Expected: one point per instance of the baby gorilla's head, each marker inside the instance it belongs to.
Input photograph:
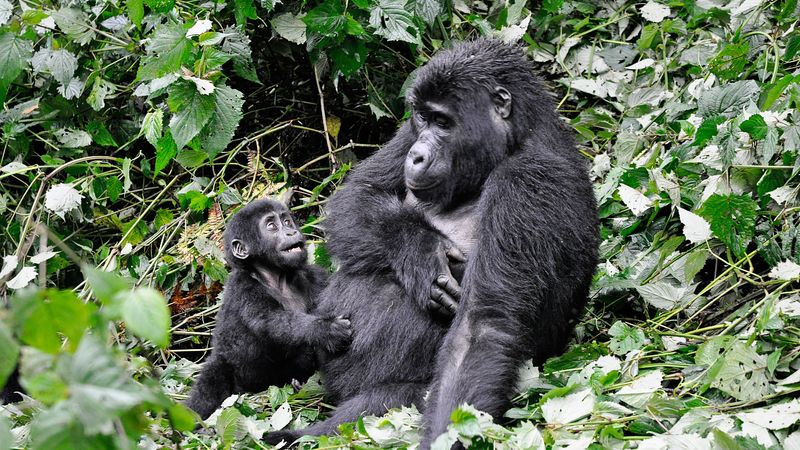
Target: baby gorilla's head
(264, 233)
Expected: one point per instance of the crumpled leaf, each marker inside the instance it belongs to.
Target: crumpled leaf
(62, 198)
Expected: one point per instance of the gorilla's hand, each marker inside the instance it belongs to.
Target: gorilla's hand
(445, 291)
(336, 334)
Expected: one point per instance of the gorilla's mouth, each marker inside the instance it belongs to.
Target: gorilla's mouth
(297, 247)
(421, 187)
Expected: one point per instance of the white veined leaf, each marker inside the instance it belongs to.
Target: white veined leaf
(695, 228)
(570, 408)
(116, 23)
(654, 12)
(664, 295)
(633, 199)
(153, 126)
(23, 278)
(676, 442)
(589, 86)
(643, 64)
(639, 392)
(204, 87)
(62, 198)
(775, 417)
(73, 89)
(290, 27)
(784, 195)
(785, 270)
(6, 10)
(281, 417)
(199, 27)
(62, 65)
(72, 138)
(41, 60)
(43, 256)
(9, 264)
(13, 166)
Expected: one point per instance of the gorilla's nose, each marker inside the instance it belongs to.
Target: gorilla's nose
(418, 159)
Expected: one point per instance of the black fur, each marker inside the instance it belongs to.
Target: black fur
(485, 165)
(265, 334)
(10, 392)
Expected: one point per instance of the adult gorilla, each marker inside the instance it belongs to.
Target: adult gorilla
(484, 168)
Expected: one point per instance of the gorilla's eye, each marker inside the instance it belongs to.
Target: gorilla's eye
(441, 121)
(287, 222)
(271, 226)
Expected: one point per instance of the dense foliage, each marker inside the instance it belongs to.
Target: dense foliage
(131, 129)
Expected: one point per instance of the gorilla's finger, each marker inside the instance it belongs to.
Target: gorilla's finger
(455, 254)
(450, 285)
(443, 298)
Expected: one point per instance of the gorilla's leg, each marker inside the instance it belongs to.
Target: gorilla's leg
(476, 366)
(12, 388)
(373, 402)
(215, 384)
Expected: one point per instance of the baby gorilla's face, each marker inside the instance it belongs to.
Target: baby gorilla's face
(283, 237)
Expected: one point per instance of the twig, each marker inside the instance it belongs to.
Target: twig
(324, 117)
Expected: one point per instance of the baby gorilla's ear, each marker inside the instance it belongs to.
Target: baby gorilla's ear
(239, 249)
(285, 197)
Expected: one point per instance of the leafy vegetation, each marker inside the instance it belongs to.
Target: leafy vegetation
(130, 129)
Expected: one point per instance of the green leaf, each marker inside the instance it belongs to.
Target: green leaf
(135, 11)
(350, 56)
(755, 126)
(738, 370)
(9, 353)
(166, 150)
(168, 50)
(707, 130)
(775, 91)
(625, 338)
(290, 27)
(727, 99)
(153, 126)
(6, 438)
(160, 6)
(191, 111)
(146, 314)
(100, 134)
(733, 220)
(649, 36)
(269, 5)
(100, 90)
(392, 21)
(327, 19)
(99, 388)
(730, 62)
(15, 54)
(181, 418)
(429, 10)
(228, 426)
(105, 285)
(43, 317)
(219, 131)
(113, 188)
(76, 24)
(190, 158)
(243, 10)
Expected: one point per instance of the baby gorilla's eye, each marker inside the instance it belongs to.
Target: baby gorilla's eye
(287, 222)
(271, 226)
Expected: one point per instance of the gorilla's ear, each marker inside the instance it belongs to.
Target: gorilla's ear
(239, 249)
(502, 101)
(285, 197)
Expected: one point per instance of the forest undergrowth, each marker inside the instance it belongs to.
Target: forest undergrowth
(131, 130)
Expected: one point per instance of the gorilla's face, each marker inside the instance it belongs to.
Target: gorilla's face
(460, 140)
(264, 233)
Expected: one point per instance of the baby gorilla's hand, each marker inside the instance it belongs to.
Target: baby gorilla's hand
(337, 334)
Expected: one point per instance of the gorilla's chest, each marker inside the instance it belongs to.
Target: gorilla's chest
(458, 224)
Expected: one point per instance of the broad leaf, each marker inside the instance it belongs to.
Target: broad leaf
(727, 99)
(392, 21)
(733, 220)
(15, 53)
(291, 27)
(9, 352)
(76, 24)
(191, 111)
(219, 131)
(146, 314)
(168, 50)
(45, 316)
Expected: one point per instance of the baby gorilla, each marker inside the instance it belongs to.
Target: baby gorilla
(265, 334)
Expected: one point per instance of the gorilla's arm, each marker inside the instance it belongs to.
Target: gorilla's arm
(288, 328)
(370, 229)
